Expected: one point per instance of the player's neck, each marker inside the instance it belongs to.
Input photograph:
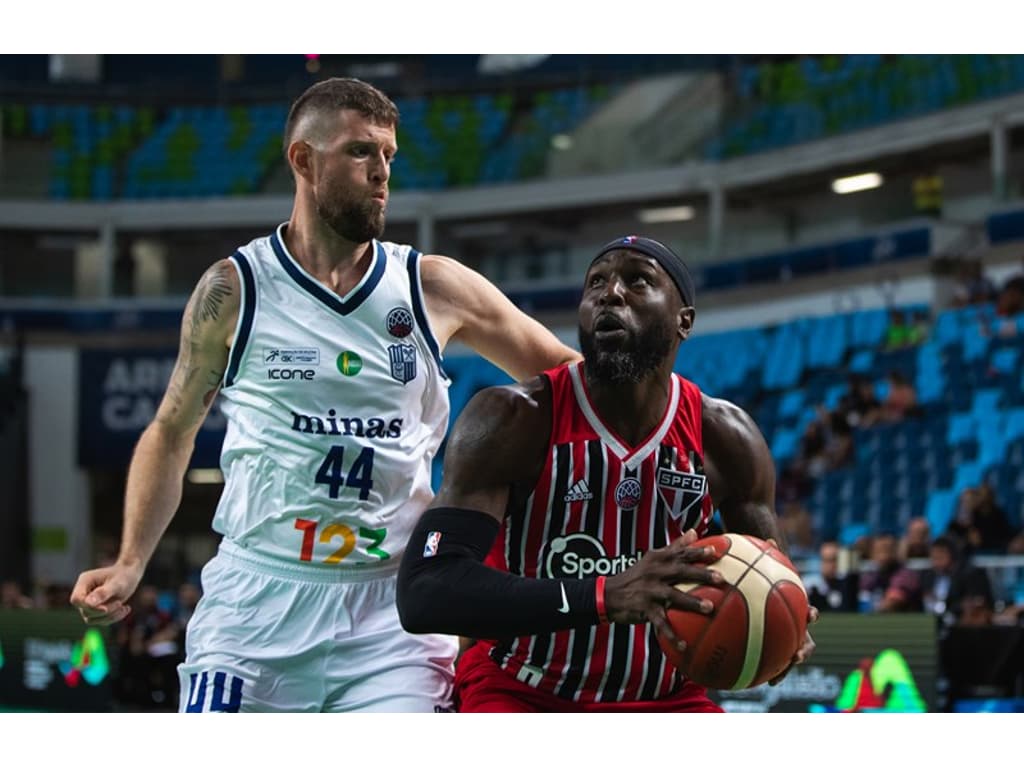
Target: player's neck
(336, 262)
(632, 409)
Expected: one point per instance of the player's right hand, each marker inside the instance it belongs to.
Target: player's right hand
(101, 595)
(645, 591)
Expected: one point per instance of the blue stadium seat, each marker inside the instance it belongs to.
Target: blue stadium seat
(785, 444)
(791, 403)
(962, 427)
(986, 401)
(851, 532)
(940, 509)
(1014, 424)
(862, 361)
(1005, 360)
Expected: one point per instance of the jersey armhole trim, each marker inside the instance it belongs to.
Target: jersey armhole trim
(419, 310)
(245, 318)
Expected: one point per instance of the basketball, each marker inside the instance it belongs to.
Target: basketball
(758, 623)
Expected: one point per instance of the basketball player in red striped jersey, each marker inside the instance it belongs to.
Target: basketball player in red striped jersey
(570, 504)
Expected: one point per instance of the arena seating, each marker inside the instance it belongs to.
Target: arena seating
(101, 153)
(783, 103)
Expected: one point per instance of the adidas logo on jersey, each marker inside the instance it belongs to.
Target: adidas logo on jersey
(579, 492)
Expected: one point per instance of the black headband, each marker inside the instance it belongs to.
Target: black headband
(662, 254)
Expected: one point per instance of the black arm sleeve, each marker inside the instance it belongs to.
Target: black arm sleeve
(444, 587)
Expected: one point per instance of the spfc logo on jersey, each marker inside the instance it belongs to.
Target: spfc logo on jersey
(681, 491)
(403, 362)
(399, 322)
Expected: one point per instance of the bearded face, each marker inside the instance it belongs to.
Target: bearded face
(628, 359)
(354, 218)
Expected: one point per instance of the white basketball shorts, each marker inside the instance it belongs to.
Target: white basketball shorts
(271, 638)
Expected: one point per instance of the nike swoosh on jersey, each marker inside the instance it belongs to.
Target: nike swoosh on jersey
(565, 601)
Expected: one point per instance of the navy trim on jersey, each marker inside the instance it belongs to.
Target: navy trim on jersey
(413, 263)
(318, 291)
(248, 313)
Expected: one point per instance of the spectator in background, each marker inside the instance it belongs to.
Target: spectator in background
(955, 590)
(839, 443)
(56, 596)
(12, 596)
(188, 598)
(829, 590)
(1009, 304)
(149, 653)
(859, 406)
(901, 399)
(980, 524)
(1016, 545)
(897, 335)
(811, 456)
(973, 285)
(797, 528)
(890, 586)
(917, 540)
(920, 327)
(1011, 297)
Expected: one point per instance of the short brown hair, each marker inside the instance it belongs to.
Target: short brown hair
(337, 93)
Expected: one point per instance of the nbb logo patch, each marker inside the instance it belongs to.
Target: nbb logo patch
(579, 556)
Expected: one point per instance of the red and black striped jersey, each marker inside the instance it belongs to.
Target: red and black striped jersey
(597, 507)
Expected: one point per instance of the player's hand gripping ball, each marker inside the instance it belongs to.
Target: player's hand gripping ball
(758, 623)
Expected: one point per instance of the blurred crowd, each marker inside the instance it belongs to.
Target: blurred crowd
(148, 645)
(918, 571)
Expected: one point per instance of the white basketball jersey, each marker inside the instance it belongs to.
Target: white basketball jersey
(335, 408)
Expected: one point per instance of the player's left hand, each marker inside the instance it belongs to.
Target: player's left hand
(805, 651)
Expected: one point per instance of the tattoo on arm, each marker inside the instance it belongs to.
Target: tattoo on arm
(209, 297)
(204, 308)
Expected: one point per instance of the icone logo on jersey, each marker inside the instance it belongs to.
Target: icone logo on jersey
(399, 322)
(579, 556)
(281, 356)
(291, 374)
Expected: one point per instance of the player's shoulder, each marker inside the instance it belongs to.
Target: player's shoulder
(258, 248)
(503, 430)
(400, 251)
(443, 273)
(222, 280)
(725, 422)
(512, 404)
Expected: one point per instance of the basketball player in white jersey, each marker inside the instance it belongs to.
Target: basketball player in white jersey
(325, 344)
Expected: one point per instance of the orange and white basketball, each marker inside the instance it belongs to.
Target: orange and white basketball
(759, 620)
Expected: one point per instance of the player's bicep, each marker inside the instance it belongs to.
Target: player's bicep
(492, 446)
(206, 326)
(471, 309)
(744, 490)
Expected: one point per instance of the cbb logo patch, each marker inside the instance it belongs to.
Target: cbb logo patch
(627, 493)
(399, 322)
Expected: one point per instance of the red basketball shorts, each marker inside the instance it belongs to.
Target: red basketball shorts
(483, 686)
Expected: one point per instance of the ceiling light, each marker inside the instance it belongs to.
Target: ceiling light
(858, 183)
(663, 215)
(561, 141)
